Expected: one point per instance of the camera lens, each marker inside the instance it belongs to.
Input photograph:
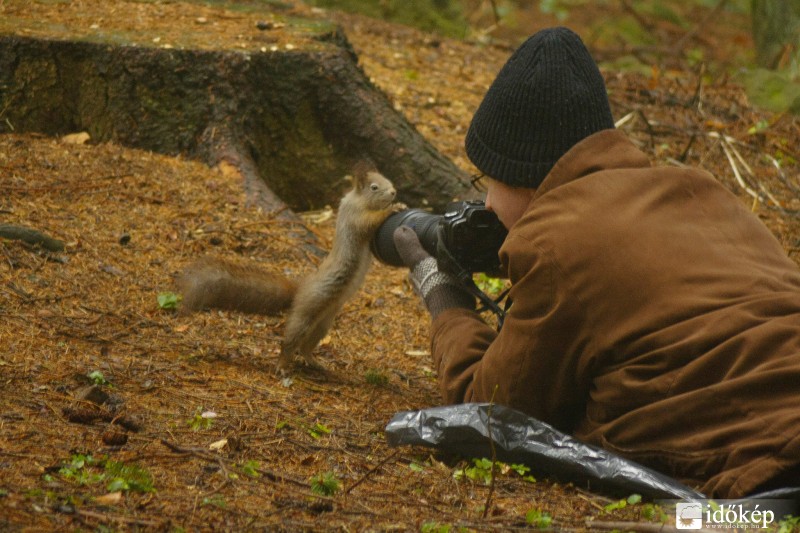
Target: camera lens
(424, 225)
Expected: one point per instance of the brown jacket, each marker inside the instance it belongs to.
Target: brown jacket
(653, 315)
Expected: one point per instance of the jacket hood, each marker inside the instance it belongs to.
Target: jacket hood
(604, 150)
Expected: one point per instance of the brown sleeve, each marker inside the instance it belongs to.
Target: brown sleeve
(531, 365)
(459, 339)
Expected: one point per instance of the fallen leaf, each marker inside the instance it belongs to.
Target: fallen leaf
(218, 445)
(76, 138)
(109, 499)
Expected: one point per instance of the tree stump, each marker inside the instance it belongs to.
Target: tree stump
(287, 103)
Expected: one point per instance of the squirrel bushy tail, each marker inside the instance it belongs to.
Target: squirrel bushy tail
(220, 284)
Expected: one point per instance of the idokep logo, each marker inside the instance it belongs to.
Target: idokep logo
(730, 514)
(689, 515)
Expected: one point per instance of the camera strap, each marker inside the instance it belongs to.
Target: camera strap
(447, 263)
(489, 304)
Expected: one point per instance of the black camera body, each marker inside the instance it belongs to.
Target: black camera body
(466, 238)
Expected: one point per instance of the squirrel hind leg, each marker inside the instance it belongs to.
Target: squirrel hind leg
(300, 342)
(287, 361)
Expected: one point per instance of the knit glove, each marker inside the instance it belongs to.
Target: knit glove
(439, 290)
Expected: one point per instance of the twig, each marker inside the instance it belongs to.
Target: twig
(591, 502)
(643, 22)
(371, 470)
(201, 453)
(495, 12)
(650, 130)
(196, 452)
(31, 236)
(702, 25)
(114, 518)
(791, 186)
(697, 97)
(217, 489)
(624, 120)
(494, 455)
(735, 168)
(753, 175)
(7, 255)
(731, 151)
(685, 153)
(18, 292)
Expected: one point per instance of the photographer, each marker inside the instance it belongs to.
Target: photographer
(652, 314)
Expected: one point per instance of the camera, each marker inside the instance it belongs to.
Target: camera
(464, 239)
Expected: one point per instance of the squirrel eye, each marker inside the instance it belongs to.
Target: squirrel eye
(374, 187)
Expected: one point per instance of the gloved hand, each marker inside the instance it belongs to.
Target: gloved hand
(439, 290)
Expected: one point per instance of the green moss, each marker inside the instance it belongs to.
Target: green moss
(293, 144)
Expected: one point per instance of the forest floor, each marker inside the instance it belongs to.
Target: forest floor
(117, 414)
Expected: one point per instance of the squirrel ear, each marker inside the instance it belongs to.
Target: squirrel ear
(361, 172)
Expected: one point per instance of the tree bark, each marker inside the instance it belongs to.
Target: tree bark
(298, 118)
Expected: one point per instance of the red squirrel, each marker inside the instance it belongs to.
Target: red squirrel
(313, 301)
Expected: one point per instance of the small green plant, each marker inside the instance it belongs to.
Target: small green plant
(538, 519)
(522, 471)
(416, 467)
(376, 377)
(201, 420)
(633, 499)
(78, 470)
(168, 300)
(784, 159)
(489, 285)
(789, 524)
(318, 430)
(434, 527)
(654, 513)
(325, 484)
(216, 500)
(251, 468)
(86, 470)
(97, 378)
(482, 471)
(759, 127)
(124, 477)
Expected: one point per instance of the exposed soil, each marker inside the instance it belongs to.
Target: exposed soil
(131, 219)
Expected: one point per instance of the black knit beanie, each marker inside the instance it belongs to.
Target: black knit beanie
(548, 96)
